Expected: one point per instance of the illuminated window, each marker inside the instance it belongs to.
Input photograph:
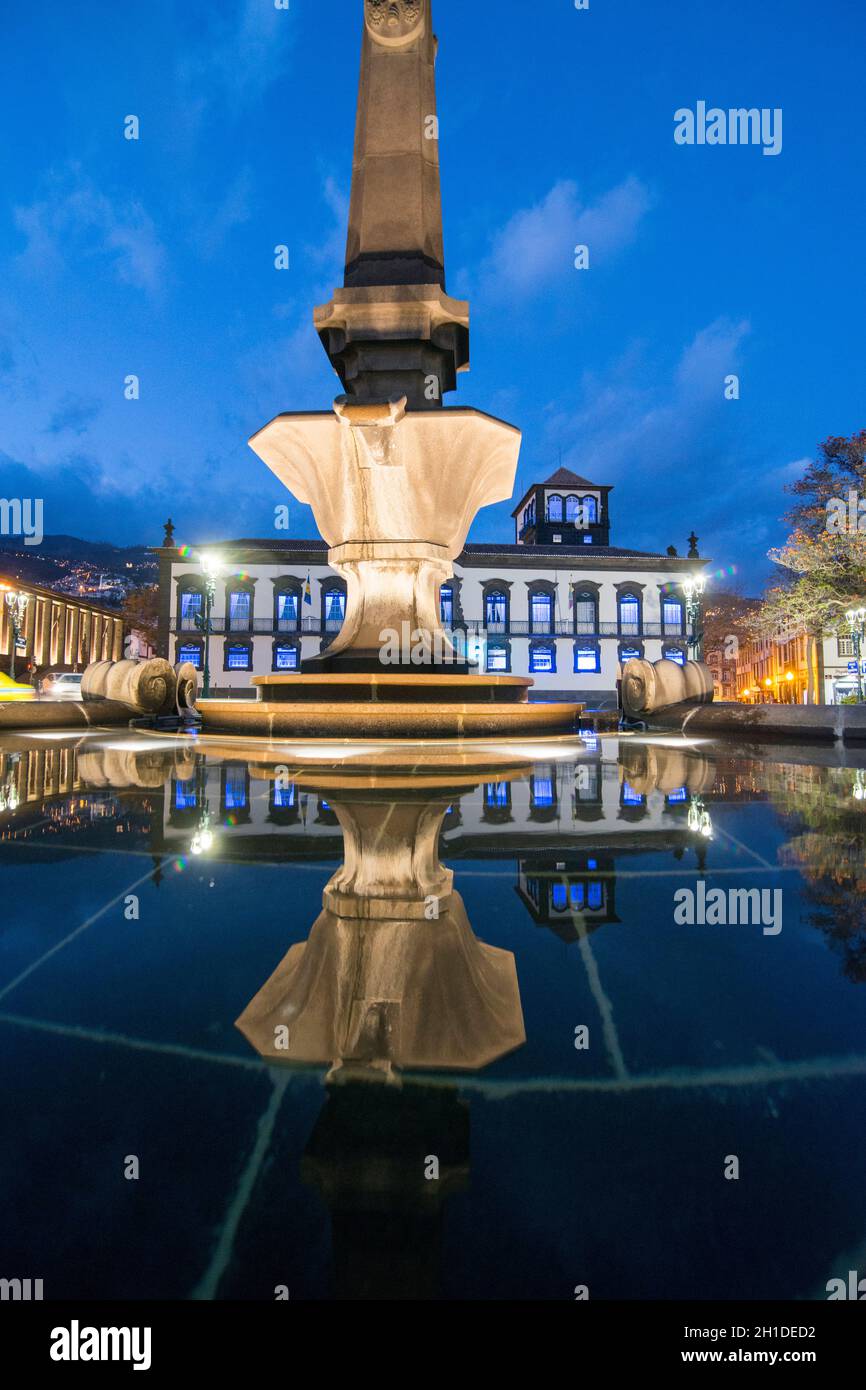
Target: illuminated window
(496, 609)
(287, 612)
(542, 659)
(335, 606)
(497, 657)
(587, 659)
(286, 657)
(235, 788)
(446, 605)
(629, 614)
(541, 612)
(191, 604)
(191, 652)
(240, 609)
(239, 657)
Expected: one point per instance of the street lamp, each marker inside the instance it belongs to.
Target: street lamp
(211, 569)
(855, 618)
(16, 602)
(693, 588)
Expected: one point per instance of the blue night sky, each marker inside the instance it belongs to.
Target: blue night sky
(156, 257)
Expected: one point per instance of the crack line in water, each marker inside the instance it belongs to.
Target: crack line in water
(766, 1074)
(7, 989)
(210, 1281)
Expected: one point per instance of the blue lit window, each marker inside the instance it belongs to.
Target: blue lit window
(587, 659)
(284, 797)
(185, 795)
(543, 789)
(559, 897)
(590, 511)
(630, 797)
(578, 897)
(554, 507)
(287, 611)
(542, 659)
(497, 658)
(191, 652)
(286, 658)
(335, 606)
(541, 611)
(572, 510)
(446, 605)
(595, 896)
(239, 610)
(496, 608)
(672, 615)
(627, 653)
(190, 608)
(674, 798)
(239, 658)
(592, 863)
(496, 795)
(629, 614)
(236, 788)
(674, 654)
(590, 738)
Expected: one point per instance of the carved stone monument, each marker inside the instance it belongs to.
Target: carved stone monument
(394, 479)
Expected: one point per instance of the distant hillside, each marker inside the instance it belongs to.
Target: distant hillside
(57, 558)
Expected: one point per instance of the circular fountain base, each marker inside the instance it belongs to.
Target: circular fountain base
(389, 705)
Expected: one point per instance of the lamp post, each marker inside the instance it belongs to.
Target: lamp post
(16, 602)
(693, 588)
(211, 569)
(855, 618)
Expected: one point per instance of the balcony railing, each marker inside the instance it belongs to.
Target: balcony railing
(517, 627)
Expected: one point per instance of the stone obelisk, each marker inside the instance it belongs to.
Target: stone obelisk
(392, 330)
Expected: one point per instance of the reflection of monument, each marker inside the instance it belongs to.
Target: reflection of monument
(392, 975)
(393, 478)
(369, 1158)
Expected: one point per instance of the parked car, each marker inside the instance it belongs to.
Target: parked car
(64, 686)
(15, 690)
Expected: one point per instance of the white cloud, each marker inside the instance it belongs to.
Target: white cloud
(537, 244)
(75, 221)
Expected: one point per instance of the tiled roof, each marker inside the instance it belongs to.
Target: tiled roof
(563, 477)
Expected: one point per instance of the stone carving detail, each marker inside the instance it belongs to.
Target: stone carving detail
(395, 22)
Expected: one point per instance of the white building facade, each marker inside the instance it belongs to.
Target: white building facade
(559, 603)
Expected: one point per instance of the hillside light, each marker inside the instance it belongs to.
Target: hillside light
(211, 569)
(16, 602)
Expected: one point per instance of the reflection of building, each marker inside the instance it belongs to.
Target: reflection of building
(559, 603)
(570, 894)
(60, 632)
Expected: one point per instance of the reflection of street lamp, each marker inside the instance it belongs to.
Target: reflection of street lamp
(16, 602)
(202, 840)
(210, 568)
(855, 618)
(9, 788)
(699, 822)
(693, 588)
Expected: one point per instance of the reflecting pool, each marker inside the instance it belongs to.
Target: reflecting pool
(498, 1023)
